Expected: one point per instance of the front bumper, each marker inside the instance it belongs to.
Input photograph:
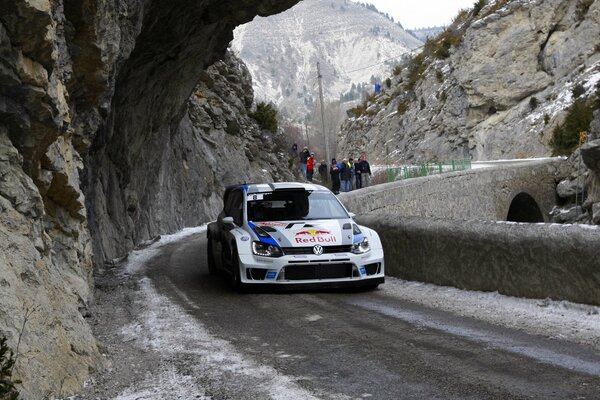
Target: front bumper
(336, 270)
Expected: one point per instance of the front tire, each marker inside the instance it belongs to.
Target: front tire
(210, 257)
(236, 279)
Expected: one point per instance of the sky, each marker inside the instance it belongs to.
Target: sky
(421, 13)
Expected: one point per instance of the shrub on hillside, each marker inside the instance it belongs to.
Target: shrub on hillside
(359, 110)
(546, 119)
(8, 390)
(533, 102)
(439, 76)
(461, 17)
(582, 9)
(578, 90)
(402, 108)
(447, 39)
(565, 137)
(416, 67)
(479, 6)
(266, 116)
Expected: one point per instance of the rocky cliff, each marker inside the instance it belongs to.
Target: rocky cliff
(493, 86)
(114, 127)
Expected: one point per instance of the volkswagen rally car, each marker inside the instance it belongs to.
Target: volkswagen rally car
(291, 235)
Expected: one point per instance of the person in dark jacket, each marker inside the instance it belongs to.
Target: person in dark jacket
(365, 170)
(334, 171)
(304, 154)
(357, 174)
(346, 175)
(323, 172)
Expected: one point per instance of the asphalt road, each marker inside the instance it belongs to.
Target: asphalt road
(371, 344)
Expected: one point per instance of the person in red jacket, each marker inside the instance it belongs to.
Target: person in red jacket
(310, 166)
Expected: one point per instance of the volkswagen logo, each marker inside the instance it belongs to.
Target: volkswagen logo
(318, 250)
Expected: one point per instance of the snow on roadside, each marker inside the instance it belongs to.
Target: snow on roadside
(563, 320)
(164, 327)
(137, 258)
(153, 330)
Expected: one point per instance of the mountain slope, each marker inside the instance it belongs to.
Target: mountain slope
(282, 51)
(495, 86)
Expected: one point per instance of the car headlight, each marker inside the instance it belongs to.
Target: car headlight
(266, 250)
(361, 247)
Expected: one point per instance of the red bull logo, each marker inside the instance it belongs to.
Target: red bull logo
(314, 236)
(312, 232)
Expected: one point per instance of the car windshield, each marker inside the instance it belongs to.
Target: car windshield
(292, 205)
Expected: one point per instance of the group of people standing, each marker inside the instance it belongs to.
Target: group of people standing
(349, 174)
(345, 176)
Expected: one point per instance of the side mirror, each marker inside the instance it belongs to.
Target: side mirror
(352, 215)
(228, 221)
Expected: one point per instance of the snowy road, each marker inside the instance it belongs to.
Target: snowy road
(182, 334)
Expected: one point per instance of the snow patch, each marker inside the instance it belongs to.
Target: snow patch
(137, 258)
(214, 357)
(579, 323)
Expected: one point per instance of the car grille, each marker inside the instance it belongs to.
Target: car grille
(318, 271)
(309, 250)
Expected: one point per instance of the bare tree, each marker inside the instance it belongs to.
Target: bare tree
(334, 115)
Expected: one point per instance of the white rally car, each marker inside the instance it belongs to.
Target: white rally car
(292, 235)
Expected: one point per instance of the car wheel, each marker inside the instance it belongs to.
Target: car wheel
(236, 280)
(210, 257)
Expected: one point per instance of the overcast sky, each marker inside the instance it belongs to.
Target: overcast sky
(421, 13)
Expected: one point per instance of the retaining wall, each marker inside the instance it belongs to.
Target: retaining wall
(484, 193)
(525, 260)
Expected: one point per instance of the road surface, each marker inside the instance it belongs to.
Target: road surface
(172, 331)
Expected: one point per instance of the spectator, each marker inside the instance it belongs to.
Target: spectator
(346, 175)
(334, 171)
(304, 154)
(310, 167)
(323, 172)
(352, 174)
(365, 170)
(358, 174)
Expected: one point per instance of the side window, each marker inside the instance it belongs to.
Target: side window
(236, 209)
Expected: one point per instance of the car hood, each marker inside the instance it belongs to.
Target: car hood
(327, 232)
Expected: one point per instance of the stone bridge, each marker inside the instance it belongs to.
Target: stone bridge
(516, 191)
(444, 229)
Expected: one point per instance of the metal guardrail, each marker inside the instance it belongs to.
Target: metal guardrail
(394, 173)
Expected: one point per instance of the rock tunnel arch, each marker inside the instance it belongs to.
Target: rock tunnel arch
(524, 208)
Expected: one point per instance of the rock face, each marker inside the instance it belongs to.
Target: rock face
(215, 144)
(112, 130)
(590, 154)
(579, 182)
(499, 93)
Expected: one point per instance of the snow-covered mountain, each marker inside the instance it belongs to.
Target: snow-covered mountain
(352, 42)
